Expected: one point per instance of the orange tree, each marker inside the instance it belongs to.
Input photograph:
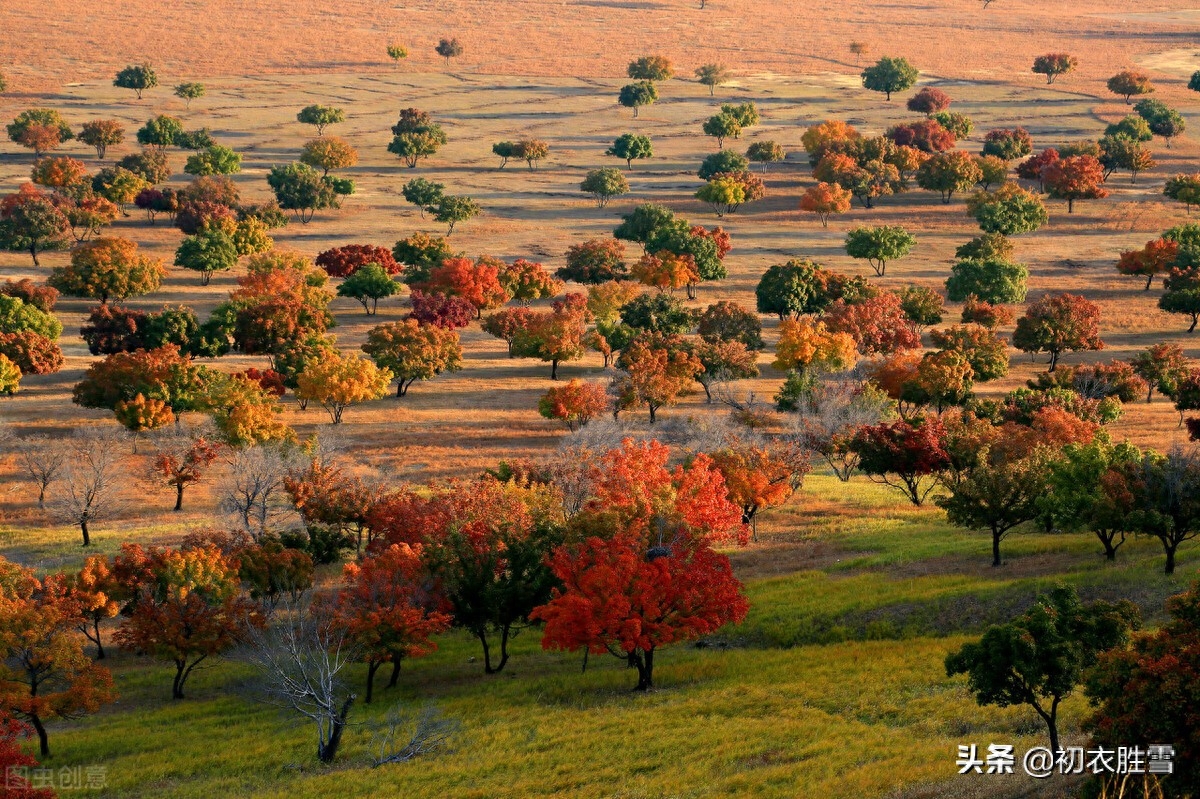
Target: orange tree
(44, 672)
(186, 606)
(412, 351)
(183, 462)
(575, 403)
(390, 608)
(658, 370)
(553, 336)
(760, 473)
(326, 495)
(108, 268)
(340, 381)
(98, 593)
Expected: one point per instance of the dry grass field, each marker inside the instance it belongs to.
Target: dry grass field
(552, 70)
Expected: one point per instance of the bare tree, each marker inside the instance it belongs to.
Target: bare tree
(431, 731)
(300, 658)
(91, 479)
(826, 419)
(253, 489)
(41, 459)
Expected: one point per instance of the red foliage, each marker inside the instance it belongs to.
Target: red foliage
(32, 352)
(619, 596)
(927, 136)
(477, 282)
(441, 310)
(929, 101)
(15, 763)
(1034, 167)
(269, 379)
(346, 260)
(913, 452)
(878, 324)
(1156, 258)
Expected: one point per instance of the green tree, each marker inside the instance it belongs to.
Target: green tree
(890, 75)
(712, 76)
(658, 313)
(30, 221)
(451, 210)
(300, 189)
(765, 152)
(369, 284)
(636, 95)
(1089, 489)
(721, 127)
(39, 129)
(449, 48)
(412, 351)
(1040, 657)
(207, 252)
(630, 146)
(996, 280)
(604, 184)
(214, 160)
(397, 52)
(792, 289)
(505, 150)
(1162, 120)
(723, 161)
(320, 116)
(878, 245)
(189, 91)
(1009, 210)
(425, 194)
(137, 77)
(162, 131)
(1167, 499)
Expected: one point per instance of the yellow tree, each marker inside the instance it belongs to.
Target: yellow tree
(341, 381)
(666, 271)
(246, 413)
(804, 344)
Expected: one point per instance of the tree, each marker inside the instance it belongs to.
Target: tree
(368, 285)
(413, 145)
(411, 351)
(449, 48)
(102, 134)
(1182, 295)
(722, 127)
(622, 598)
(636, 95)
(1000, 493)
(39, 129)
(576, 403)
(1039, 658)
(64, 173)
(824, 199)
(915, 452)
(1156, 258)
(108, 268)
(595, 261)
(1143, 691)
(878, 245)
(876, 323)
(1184, 188)
(1054, 64)
(1167, 499)
(1008, 145)
(658, 313)
(927, 136)
(344, 261)
(1162, 366)
(151, 164)
(91, 480)
(994, 280)
(246, 413)
(397, 52)
(807, 346)
(723, 362)
(477, 282)
(553, 336)
(161, 132)
(44, 672)
(342, 381)
(320, 116)
(630, 146)
(183, 460)
(42, 461)
(1059, 323)
(725, 194)
(928, 101)
(31, 221)
(654, 68)
(1089, 489)
(949, 172)
(1128, 83)
(1009, 210)
(889, 75)
(425, 194)
(765, 152)
(604, 184)
(440, 310)
(189, 91)
(10, 376)
(505, 150)
(531, 151)
(986, 352)
(139, 78)
(792, 289)
(389, 610)
(214, 160)
(207, 252)
(657, 372)
(728, 321)
(298, 188)
(922, 306)
(712, 76)
(452, 210)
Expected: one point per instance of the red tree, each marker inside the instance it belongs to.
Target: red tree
(390, 609)
(14, 762)
(185, 463)
(1080, 177)
(440, 310)
(477, 282)
(877, 324)
(346, 260)
(904, 456)
(1156, 258)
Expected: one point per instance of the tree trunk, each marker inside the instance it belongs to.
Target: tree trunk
(33, 252)
(395, 671)
(42, 496)
(83, 528)
(645, 667)
(372, 667)
(1070, 206)
(1053, 361)
(554, 369)
(326, 751)
(97, 641)
(995, 548)
(652, 408)
(487, 662)
(179, 496)
(180, 676)
(43, 739)
(1170, 548)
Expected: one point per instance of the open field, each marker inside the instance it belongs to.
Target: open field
(834, 686)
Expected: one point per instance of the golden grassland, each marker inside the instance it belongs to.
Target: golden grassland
(832, 687)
